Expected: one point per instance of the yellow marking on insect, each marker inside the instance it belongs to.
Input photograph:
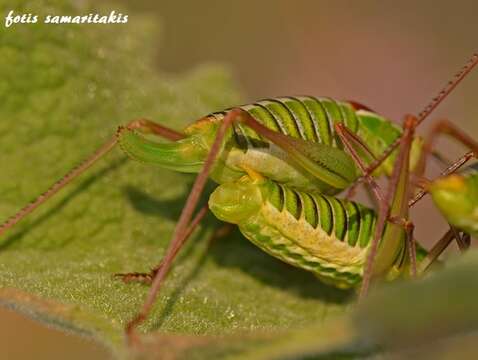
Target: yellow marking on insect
(317, 243)
(254, 175)
(451, 183)
(200, 124)
(271, 164)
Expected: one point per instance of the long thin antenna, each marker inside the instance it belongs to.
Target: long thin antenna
(449, 87)
(437, 100)
(65, 180)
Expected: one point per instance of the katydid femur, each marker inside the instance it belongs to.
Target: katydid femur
(297, 145)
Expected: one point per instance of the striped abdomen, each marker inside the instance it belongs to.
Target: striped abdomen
(318, 233)
(348, 221)
(304, 117)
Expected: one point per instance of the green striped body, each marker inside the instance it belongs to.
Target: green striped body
(304, 117)
(322, 234)
(456, 196)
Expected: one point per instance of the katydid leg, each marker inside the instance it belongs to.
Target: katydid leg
(183, 224)
(339, 171)
(148, 277)
(147, 126)
(351, 141)
(437, 250)
(442, 244)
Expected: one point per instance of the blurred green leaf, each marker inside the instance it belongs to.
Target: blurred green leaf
(64, 91)
(419, 313)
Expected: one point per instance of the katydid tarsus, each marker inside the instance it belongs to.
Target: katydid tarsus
(295, 144)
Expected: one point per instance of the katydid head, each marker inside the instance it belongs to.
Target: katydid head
(456, 198)
(235, 202)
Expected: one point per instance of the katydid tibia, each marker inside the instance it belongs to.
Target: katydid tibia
(278, 162)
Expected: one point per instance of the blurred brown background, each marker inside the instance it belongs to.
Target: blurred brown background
(392, 56)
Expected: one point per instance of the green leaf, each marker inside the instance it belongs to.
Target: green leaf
(436, 312)
(64, 91)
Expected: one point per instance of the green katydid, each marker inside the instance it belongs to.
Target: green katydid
(296, 142)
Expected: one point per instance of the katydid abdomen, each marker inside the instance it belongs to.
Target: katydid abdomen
(322, 234)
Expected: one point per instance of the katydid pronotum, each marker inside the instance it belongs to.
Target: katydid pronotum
(278, 162)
